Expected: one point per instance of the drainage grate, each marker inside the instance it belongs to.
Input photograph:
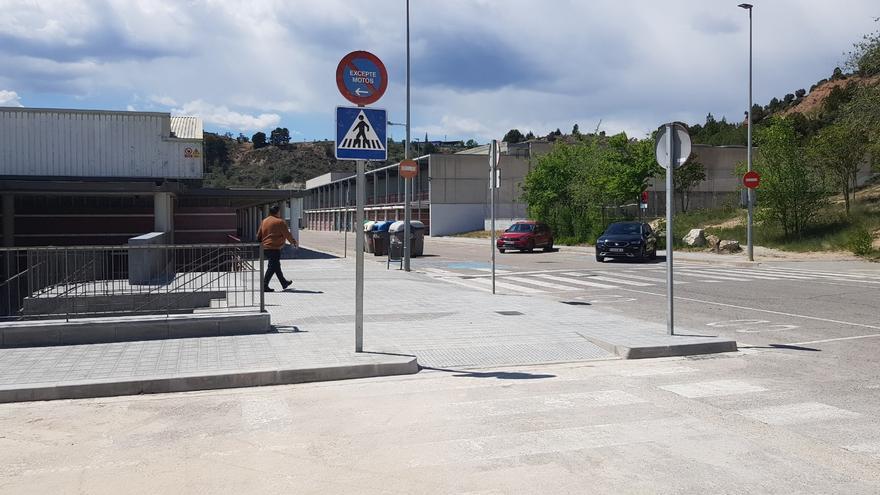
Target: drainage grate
(575, 303)
(509, 313)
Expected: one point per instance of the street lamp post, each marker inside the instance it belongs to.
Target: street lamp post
(750, 198)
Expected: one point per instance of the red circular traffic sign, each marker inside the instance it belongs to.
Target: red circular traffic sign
(751, 179)
(361, 77)
(408, 169)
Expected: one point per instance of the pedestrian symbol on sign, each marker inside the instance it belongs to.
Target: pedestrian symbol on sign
(360, 133)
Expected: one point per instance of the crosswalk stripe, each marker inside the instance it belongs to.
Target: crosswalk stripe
(842, 277)
(437, 271)
(621, 281)
(497, 271)
(458, 281)
(577, 282)
(502, 285)
(813, 272)
(637, 277)
(739, 274)
(709, 275)
(540, 283)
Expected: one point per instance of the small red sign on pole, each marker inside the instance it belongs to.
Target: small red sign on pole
(751, 179)
(409, 169)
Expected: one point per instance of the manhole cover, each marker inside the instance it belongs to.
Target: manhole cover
(509, 313)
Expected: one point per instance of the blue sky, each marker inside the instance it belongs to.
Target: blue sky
(479, 67)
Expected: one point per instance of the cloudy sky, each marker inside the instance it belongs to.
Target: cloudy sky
(479, 67)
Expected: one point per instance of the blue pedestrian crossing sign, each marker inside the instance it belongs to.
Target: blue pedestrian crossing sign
(361, 134)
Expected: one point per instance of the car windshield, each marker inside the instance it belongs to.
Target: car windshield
(521, 227)
(624, 228)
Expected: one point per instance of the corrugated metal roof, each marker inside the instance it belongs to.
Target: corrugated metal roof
(184, 127)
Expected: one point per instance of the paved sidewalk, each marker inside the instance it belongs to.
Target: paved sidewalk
(407, 314)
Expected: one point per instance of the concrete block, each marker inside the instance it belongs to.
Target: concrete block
(244, 324)
(146, 330)
(94, 333)
(192, 327)
(31, 337)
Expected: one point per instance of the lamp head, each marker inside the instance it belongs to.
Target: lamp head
(745, 6)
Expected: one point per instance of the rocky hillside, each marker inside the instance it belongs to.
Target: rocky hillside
(233, 163)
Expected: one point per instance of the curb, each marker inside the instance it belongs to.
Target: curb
(190, 383)
(658, 351)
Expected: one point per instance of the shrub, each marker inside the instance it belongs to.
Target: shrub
(860, 242)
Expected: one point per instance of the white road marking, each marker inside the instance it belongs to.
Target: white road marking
(793, 315)
(458, 281)
(666, 370)
(541, 283)
(577, 282)
(855, 337)
(502, 285)
(804, 412)
(621, 281)
(736, 273)
(713, 388)
(637, 277)
(842, 277)
(706, 275)
(817, 272)
(497, 271)
(439, 272)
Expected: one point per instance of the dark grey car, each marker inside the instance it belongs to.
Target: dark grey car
(634, 240)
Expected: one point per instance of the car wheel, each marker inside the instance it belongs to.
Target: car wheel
(549, 247)
(530, 246)
(654, 253)
(643, 255)
(599, 259)
(501, 251)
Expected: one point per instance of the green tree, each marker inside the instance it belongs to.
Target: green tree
(576, 131)
(279, 136)
(791, 192)
(216, 152)
(838, 151)
(686, 178)
(530, 135)
(471, 143)
(259, 140)
(865, 57)
(513, 136)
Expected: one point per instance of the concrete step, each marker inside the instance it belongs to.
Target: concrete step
(120, 329)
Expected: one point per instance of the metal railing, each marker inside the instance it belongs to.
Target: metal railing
(81, 281)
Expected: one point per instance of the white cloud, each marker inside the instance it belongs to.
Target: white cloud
(130, 108)
(222, 116)
(534, 67)
(164, 100)
(9, 99)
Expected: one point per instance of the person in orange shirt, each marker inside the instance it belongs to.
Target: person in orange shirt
(272, 234)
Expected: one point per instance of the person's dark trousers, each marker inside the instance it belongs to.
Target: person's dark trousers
(273, 256)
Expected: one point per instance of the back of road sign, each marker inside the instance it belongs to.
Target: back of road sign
(361, 134)
(682, 146)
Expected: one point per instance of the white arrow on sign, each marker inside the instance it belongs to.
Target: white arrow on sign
(361, 93)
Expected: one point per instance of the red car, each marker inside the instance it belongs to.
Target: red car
(526, 236)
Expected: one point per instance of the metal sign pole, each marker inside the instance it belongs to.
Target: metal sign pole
(670, 166)
(407, 183)
(492, 203)
(750, 192)
(345, 217)
(360, 198)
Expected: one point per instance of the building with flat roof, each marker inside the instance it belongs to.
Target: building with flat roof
(95, 177)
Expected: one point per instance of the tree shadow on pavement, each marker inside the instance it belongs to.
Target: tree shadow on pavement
(501, 375)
